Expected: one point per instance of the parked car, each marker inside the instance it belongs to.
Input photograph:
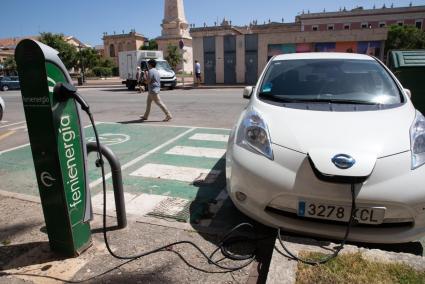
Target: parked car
(9, 83)
(318, 124)
(2, 107)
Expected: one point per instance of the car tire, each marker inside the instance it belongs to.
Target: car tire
(5, 88)
(1, 113)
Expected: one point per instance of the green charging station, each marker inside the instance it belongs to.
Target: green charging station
(58, 148)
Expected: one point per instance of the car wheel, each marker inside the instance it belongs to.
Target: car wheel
(1, 113)
(5, 88)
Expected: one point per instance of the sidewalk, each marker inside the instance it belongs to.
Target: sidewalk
(25, 256)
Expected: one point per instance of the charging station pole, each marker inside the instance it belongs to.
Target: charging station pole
(58, 148)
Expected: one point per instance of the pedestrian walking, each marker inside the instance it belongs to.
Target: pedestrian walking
(198, 72)
(153, 80)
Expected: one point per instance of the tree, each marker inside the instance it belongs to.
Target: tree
(67, 52)
(405, 37)
(174, 57)
(90, 57)
(9, 64)
(153, 45)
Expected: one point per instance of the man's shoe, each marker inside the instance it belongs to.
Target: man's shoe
(168, 118)
(143, 118)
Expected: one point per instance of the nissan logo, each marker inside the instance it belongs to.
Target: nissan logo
(343, 161)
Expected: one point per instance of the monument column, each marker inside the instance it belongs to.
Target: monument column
(175, 31)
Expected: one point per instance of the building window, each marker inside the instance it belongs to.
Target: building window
(129, 46)
(418, 24)
(382, 24)
(330, 27)
(119, 47)
(364, 25)
(315, 28)
(346, 26)
(111, 50)
(400, 23)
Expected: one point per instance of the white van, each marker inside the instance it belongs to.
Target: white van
(130, 60)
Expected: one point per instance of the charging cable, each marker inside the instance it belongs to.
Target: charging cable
(351, 221)
(65, 91)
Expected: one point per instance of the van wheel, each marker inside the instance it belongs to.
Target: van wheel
(5, 88)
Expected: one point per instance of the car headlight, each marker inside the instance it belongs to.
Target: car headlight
(417, 141)
(254, 134)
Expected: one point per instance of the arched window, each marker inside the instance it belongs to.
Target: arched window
(129, 46)
(120, 47)
(111, 50)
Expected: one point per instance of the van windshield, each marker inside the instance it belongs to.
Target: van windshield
(163, 65)
(330, 80)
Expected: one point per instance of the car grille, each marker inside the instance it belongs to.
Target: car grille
(167, 78)
(295, 216)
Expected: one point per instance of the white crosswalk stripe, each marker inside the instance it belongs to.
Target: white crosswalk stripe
(197, 152)
(210, 137)
(185, 174)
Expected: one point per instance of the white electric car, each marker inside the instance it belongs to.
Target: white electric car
(316, 124)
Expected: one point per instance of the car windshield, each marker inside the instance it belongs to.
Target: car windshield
(163, 65)
(330, 80)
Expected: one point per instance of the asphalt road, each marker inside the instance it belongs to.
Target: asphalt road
(196, 107)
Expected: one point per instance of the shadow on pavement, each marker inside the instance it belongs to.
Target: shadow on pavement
(139, 121)
(13, 256)
(414, 248)
(213, 215)
(118, 90)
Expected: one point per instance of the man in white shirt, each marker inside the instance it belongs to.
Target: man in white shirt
(198, 72)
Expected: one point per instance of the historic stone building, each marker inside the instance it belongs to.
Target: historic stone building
(237, 54)
(175, 31)
(113, 44)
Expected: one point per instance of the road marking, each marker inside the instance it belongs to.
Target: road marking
(168, 172)
(7, 134)
(13, 149)
(25, 145)
(20, 127)
(197, 152)
(16, 123)
(144, 156)
(109, 139)
(210, 137)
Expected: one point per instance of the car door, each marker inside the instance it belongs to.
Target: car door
(15, 82)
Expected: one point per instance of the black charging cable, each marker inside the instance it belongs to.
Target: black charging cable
(337, 250)
(65, 90)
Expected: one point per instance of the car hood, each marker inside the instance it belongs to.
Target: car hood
(363, 135)
(165, 73)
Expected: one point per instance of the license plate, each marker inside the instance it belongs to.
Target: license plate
(318, 210)
(167, 85)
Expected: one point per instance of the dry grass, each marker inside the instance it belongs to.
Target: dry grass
(353, 268)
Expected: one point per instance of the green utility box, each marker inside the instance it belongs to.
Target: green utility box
(58, 148)
(409, 67)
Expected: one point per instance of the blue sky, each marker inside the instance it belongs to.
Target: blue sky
(88, 19)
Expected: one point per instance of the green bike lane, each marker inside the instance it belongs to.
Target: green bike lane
(168, 171)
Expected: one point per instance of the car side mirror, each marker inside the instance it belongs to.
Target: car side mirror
(408, 93)
(247, 92)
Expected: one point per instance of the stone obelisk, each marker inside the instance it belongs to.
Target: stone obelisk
(175, 31)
